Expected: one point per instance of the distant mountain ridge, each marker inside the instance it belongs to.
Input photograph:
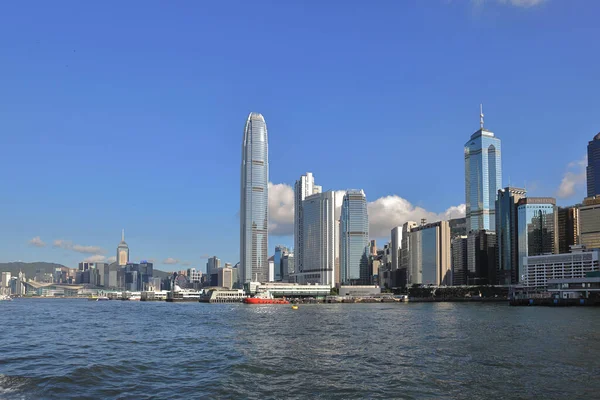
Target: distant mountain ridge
(30, 269)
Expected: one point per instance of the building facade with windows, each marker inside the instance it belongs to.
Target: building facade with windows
(430, 256)
(507, 235)
(320, 240)
(354, 240)
(537, 222)
(254, 201)
(304, 187)
(589, 223)
(483, 178)
(537, 270)
(593, 167)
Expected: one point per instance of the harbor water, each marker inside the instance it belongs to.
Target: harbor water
(77, 349)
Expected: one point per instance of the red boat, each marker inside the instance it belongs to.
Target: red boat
(265, 298)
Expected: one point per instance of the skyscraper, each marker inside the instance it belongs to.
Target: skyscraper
(320, 240)
(254, 202)
(396, 244)
(507, 235)
(354, 240)
(568, 228)
(405, 250)
(122, 251)
(458, 246)
(304, 187)
(537, 221)
(430, 257)
(483, 178)
(278, 272)
(593, 167)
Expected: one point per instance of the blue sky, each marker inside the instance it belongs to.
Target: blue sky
(130, 114)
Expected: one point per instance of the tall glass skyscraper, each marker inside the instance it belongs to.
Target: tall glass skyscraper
(254, 204)
(538, 222)
(593, 167)
(483, 178)
(354, 240)
(506, 234)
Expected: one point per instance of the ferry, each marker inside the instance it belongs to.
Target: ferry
(265, 298)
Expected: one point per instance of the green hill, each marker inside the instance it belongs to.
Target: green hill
(30, 269)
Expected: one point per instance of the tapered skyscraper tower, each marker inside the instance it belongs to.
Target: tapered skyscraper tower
(483, 178)
(254, 204)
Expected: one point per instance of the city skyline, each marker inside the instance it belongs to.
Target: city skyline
(170, 181)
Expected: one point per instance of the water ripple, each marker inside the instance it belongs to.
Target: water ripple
(75, 349)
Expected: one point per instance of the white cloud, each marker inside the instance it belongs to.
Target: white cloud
(67, 244)
(281, 209)
(112, 259)
(95, 258)
(170, 261)
(388, 212)
(385, 213)
(516, 3)
(37, 242)
(574, 179)
(87, 249)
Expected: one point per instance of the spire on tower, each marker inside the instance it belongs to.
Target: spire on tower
(123, 235)
(481, 115)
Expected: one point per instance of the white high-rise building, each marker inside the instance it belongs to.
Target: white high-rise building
(304, 187)
(320, 240)
(6, 279)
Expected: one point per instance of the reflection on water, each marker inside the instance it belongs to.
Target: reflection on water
(77, 349)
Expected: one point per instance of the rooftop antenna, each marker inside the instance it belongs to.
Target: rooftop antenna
(481, 115)
(123, 235)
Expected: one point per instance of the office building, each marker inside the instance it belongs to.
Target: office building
(507, 235)
(589, 223)
(212, 270)
(458, 247)
(226, 278)
(537, 222)
(593, 167)
(6, 277)
(537, 270)
(430, 259)
(481, 258)
(254, 202)
(280, 251)
(288, 264)
(354, 240)
(395, 246)
(320, 242)
(373, 248)
(271, 273)
(568, 228)
(304, 187)
(483, 178)
(122, 251)
(458, 226)
(405, 250)
(194, 275)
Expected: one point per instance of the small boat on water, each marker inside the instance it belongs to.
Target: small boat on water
(102, 298)
(294, 307)
(4, 297)
(265, 298)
